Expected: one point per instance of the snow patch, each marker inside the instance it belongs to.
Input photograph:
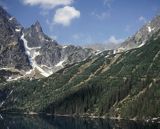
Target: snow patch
(150, 29)
(19, 77)
(98, 52)
(47, 40)
(29, 72)
(14, 79)
(11, 92)
(114, 51)
(65, 46)
(35, 54)
(11, 18)
(46, 66)
(18, 30)
(5, 68)
(1, 117)
(1, 104)
(32, 54)
(60, 64)
(142, 44)
(27, 49)
(107, 56)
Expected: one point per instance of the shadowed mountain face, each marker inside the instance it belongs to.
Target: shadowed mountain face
(31, 53)
(12, 52)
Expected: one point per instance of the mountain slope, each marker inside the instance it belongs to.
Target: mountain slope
(12, 55)
(122, 85)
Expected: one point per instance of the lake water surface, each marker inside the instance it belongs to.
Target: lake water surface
(29, 122)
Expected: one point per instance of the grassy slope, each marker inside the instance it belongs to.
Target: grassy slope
(123, 85)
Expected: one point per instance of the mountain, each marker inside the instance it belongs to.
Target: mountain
(116, 85)
(123, 84)
(135, 41)
(140, 38)
(46, 55)
(12, 52)
(29, 52)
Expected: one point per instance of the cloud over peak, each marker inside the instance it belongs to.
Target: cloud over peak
(47, 4)
(64, 16)
(113, 39)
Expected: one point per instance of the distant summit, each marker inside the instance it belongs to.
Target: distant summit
(140, 38)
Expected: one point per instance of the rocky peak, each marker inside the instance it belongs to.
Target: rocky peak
(37, 27)
(36, 37)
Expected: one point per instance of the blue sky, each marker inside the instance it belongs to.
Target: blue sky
(83, 22)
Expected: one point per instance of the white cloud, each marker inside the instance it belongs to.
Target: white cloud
(142, 19)
(101, 16)
(108, 3)
(47, 4)
(111, 43)
(113, 39)
(64, 16)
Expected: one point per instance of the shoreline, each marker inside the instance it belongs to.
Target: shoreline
(152, 120)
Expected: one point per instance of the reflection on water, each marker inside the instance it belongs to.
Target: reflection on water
(28, 122)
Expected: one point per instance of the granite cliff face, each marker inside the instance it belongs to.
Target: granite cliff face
(12, 52)
(31, 53)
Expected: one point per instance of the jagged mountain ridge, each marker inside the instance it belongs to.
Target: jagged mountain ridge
(140, 38)
(47, 55)
(32, 53)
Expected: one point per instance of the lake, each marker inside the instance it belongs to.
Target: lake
(50, 122)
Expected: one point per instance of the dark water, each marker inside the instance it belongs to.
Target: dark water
(28, 122)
